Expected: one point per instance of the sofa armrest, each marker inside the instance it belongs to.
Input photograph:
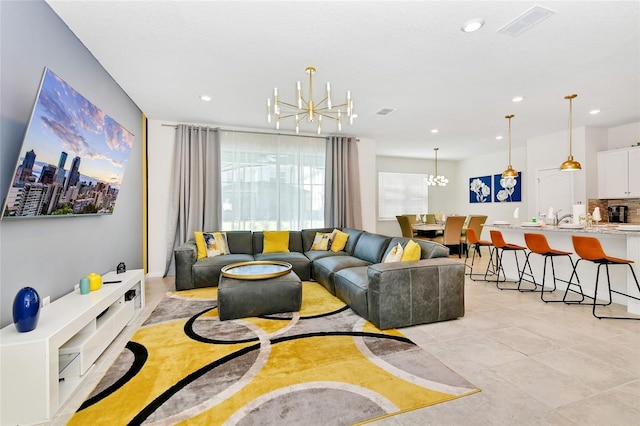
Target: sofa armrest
(185, 256)
(402, 294)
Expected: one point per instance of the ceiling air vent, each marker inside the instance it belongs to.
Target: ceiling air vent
(526, 21)
(385, 111)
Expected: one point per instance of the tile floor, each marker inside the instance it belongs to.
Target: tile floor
(536, 363)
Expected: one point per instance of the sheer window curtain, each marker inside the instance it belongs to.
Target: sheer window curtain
(342, 184)
(195, 193)
(272, 181)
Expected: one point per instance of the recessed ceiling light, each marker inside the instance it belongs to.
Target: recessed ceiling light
(472, 25)
(434, 131)
(499, 137)
(205, 98)
(594, 111)
(517, 99)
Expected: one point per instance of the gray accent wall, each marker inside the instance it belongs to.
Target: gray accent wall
(52, 254)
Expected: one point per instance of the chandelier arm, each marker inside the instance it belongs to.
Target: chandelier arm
(290, 105)
(302, 114)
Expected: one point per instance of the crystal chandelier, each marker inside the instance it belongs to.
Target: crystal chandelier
(509, 172)
(312, 110)
(437, 179)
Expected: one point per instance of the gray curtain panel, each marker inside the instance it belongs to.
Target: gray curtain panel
(342, 205)
(195, 197)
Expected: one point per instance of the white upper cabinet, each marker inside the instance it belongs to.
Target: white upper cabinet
(619, 173)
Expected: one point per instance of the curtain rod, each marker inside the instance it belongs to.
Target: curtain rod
(252, 132)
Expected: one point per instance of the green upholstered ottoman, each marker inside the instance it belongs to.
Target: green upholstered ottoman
(239, 298)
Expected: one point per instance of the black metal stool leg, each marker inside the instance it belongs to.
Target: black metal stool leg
(595, 295)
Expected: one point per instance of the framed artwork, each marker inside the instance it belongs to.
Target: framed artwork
(507, 190)
(480, 189)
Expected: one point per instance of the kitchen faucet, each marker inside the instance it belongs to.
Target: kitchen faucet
(563, 217)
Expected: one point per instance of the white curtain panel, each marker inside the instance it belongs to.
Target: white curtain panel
(271, 181)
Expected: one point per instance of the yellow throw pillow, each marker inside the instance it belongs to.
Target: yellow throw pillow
(202, 249)
(339, 240)
(412, 251)
(322, 241)
(395, 255)
(276, 242)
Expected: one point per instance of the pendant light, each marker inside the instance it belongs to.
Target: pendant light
(570, 165)
(509, 172)
(437, 179)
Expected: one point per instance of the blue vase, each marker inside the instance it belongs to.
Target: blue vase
(26, 309)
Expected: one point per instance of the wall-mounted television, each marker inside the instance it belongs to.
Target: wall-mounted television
(72, 160)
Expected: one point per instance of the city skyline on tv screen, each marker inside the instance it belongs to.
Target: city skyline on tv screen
(72, 159)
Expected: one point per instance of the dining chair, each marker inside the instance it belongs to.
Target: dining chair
(405, 226)
(431, 219)
(452, 232)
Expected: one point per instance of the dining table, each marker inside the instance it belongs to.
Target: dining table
(428, 227)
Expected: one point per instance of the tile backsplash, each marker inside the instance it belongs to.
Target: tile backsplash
(633, 205)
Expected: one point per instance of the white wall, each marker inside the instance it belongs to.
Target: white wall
(368, 183)
(623, 136)
(159, 160)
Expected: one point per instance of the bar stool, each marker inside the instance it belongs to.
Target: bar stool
(590, 249)
(476, 244)
(501, 246)
(538, 244)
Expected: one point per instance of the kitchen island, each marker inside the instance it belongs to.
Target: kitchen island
(615, 241)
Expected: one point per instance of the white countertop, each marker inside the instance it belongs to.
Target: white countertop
(600, 229)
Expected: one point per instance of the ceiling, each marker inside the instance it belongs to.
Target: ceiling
(409, 56)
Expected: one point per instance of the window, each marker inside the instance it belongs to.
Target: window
(401, 193)
(272, 182)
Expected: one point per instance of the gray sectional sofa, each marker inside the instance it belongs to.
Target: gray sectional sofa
(390, 295)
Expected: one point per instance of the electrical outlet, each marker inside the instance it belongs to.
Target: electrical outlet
(46, 301)
(76, 287)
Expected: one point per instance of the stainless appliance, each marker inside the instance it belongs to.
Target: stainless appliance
(618, 214)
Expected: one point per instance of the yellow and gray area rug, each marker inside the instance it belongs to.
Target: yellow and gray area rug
(324, 365)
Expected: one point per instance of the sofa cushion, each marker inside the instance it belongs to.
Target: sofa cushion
(206, 271)
(325, 268)
(239, 242)
(371, 247)
(352, 286)
(354, 236)
(300, 263)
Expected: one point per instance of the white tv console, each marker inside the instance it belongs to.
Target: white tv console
(40, 369)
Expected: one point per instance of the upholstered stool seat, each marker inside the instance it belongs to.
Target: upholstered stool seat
(590, 249)
(501, 246)
(538, 244)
